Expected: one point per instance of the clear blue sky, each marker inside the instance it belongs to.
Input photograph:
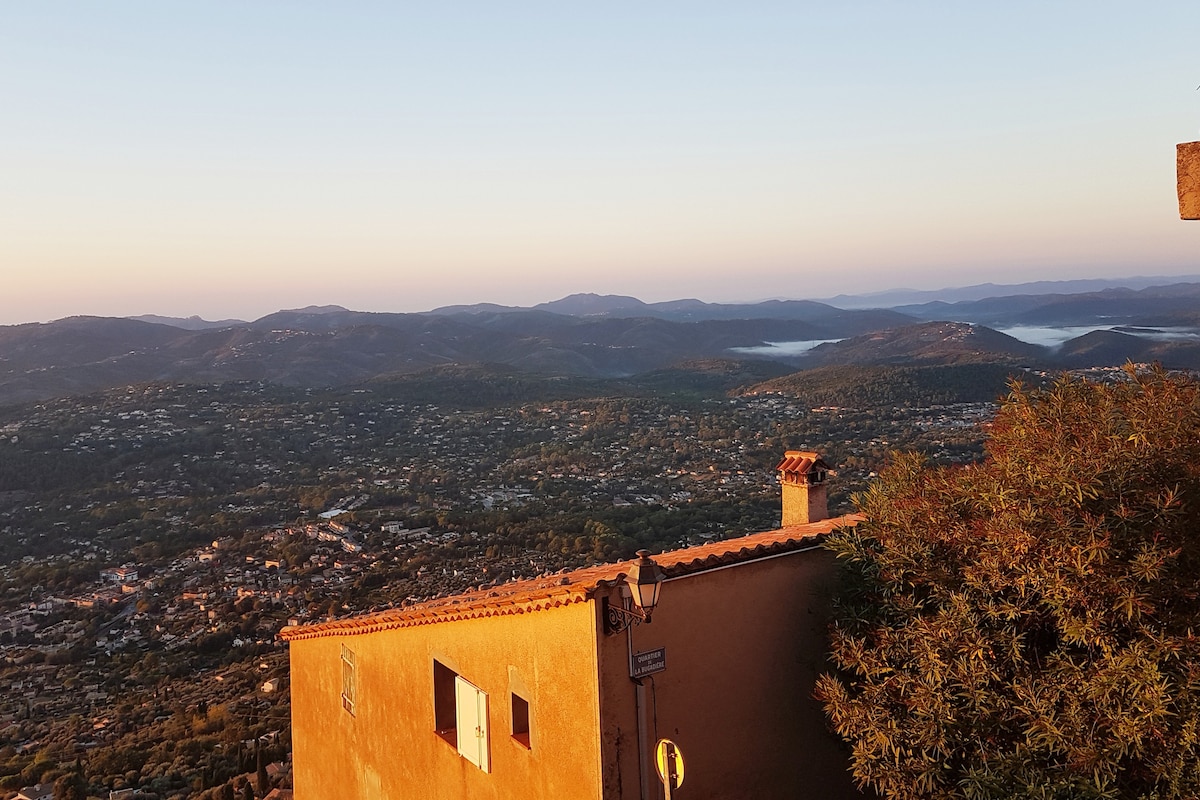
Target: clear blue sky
(230, 159)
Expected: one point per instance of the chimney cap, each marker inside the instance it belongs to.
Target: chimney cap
(801, 462)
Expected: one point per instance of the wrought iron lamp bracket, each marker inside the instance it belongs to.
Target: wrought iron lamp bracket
(618, 618)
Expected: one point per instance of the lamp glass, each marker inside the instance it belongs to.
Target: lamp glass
(645, 595)
(644, 583)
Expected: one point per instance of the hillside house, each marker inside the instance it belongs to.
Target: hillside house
(41, 791)
(125, 574)
(555, 688)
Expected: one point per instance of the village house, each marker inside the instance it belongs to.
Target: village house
(125, 574)
(572, 685)
(41, 791)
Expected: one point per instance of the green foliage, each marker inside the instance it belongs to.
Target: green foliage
(1024, 627)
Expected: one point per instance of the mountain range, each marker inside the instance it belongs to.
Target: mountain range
(593, 336)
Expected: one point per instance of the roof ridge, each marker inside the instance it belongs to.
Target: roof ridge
(576, 586)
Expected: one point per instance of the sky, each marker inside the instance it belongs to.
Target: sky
(229, 159)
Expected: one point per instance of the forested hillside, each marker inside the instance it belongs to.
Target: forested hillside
(883, 387)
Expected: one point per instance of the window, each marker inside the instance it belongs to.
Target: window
(348, 679)
(520, 719)
(445, 719)
(460, 711)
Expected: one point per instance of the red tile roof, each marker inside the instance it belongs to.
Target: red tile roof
(552, 591)
(802, 462)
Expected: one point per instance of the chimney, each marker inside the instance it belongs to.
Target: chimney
(802, 474)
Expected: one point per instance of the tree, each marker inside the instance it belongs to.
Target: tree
(1029, 626)
(264, 783)
(70, 786)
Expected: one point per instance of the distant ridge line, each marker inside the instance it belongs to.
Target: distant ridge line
(891, 298)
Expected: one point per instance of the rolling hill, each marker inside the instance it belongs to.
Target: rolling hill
(594, 336)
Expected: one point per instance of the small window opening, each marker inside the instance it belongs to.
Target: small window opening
(460, 715)
(445, 718)
(520, 719)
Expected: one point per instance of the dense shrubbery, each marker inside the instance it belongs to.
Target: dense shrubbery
(1027, 626)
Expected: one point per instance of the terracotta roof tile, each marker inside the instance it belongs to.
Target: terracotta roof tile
(562, 589)
(793, 464)
(802, 463)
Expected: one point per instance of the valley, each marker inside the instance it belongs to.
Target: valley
(171, 496)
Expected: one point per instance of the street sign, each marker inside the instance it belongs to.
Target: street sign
(648, 663)
(669, 761)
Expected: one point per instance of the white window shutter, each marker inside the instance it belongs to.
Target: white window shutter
(472, 713)
(349, 679)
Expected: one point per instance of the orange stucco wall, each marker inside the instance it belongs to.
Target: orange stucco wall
(1187, 163)
(388, 748)
(743, 648)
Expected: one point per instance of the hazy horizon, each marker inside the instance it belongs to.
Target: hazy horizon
(889, 296)
(1042, 286)
(229, 160)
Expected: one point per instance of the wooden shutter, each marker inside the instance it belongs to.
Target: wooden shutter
(471, 713)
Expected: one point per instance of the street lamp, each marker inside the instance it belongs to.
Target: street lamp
(643, 583)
